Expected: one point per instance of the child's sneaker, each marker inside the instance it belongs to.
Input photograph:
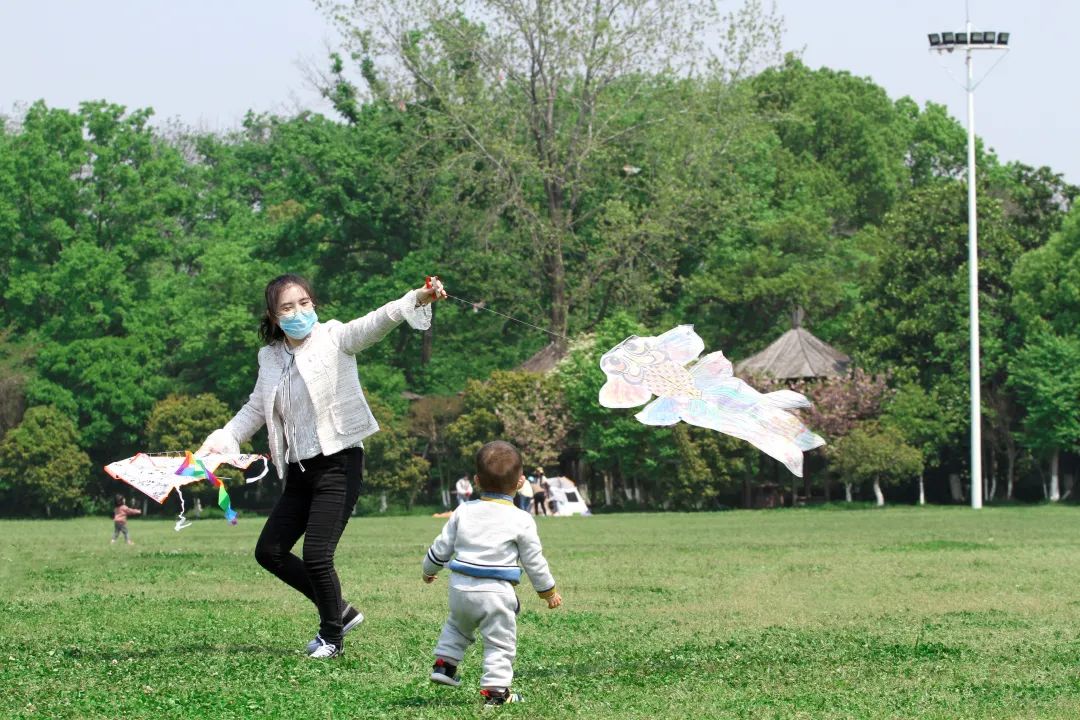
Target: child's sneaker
(499, 697)
(350, 618)
(444, 673)
(324, 650)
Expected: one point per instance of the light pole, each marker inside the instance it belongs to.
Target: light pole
(970, 41)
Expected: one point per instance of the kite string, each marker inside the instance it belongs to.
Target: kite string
(477, 306)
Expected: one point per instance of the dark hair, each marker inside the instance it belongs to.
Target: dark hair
(119, 499)
(269, 330)
(498, 467)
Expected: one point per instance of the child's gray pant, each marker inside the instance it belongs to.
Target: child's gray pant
(494, 614)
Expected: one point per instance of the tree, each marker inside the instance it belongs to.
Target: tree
(394, 467)
(1045, 372)
(839, 405)
(914, 315)
(524, 408)
(532, 105)
(876, 454)
(182, 422)
(42, 466)
(924, 424)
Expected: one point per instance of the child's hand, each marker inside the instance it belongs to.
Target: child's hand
(554, 601)
(429, 578)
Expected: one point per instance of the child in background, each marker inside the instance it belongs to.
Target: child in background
(120, 516)
(482, 543)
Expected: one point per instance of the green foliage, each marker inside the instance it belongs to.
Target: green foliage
(1047, 381)
(391, 465)
(921, 420)
(108, 384)
(182, 422)
(915, 316)
(42, 467)
(1045, 371)
(876, 453)
(524, 408)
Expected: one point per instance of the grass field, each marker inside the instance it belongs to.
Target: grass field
(895, 613)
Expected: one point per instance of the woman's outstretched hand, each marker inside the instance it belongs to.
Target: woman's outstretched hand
(432, 291)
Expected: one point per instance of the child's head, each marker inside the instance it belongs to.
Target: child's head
(498, 468)
(119, 500)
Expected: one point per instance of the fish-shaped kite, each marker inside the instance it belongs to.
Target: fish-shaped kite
(158, 474)
(706, 394)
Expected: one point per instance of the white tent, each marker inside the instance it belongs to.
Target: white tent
(569, 499)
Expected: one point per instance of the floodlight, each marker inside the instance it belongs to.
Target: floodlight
(948, 42)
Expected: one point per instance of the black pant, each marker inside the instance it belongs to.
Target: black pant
(316, 503)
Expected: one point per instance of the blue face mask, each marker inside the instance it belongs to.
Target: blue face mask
(299, 326)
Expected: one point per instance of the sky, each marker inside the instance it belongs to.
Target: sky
(207, 62)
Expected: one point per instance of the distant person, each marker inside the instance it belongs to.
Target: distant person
(540, 492)
(464, 489)
(120, 516)
(482, 543)
(524, 496)
(556, 498)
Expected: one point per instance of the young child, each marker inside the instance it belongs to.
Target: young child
(482, 543)
(120, 516)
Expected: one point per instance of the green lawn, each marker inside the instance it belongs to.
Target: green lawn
(895, 613)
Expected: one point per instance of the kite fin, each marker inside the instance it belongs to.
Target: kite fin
(662, 411)
(785, 400)
(681, 344)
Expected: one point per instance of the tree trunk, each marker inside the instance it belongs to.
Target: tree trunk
(878, 494)
(1055, 492)
(427, 339)
(847, 492)
(1010, 471)
(828, 488)
(747, 493)
(609, 489)
(48, 510)
(989, 494)
(382, 502)
(922, 490)
(956, 488)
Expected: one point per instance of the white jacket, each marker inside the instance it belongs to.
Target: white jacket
(487, 538)
(327, 363)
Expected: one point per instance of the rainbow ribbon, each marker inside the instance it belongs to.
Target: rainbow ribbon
(194, 468)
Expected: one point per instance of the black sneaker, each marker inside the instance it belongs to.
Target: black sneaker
(499, 697)
(350, 618)
(444, 673)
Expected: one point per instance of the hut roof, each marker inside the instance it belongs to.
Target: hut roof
(545, 360)
(796, 354)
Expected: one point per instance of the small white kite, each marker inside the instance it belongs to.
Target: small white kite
(158, 474)
(706, 394)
